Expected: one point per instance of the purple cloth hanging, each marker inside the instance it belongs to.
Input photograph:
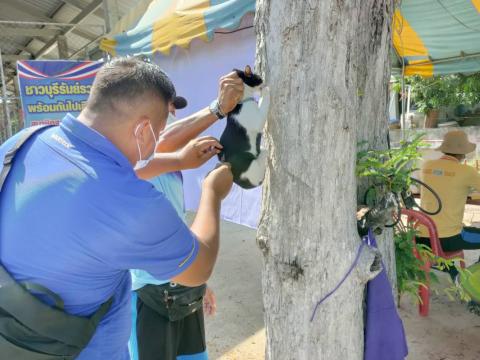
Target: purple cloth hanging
(384, 333)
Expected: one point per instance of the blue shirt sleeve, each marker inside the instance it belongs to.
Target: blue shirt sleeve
(147, 234)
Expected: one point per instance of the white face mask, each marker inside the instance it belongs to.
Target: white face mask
(142, 163)
(171, 118)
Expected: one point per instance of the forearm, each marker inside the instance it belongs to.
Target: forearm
(206, 228)
(162, 163)
(207, 221)
(181, 132)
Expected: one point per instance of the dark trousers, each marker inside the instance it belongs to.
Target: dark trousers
(161, 339)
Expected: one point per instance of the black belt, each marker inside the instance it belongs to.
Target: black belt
(172, 300)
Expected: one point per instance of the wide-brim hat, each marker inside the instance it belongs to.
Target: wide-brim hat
(456, 142)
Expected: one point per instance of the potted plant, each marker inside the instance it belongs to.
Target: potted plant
(387, 174)
(469, 99)
(430, 94)
(390, 171)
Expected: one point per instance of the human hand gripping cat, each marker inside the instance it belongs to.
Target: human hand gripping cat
(198, 151)
(230, 92)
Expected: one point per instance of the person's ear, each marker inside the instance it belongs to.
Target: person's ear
(142, 130)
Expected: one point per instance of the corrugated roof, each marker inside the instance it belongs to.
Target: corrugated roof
(44, 6)
(55, 11)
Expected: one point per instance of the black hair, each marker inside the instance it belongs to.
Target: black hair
(128, 78)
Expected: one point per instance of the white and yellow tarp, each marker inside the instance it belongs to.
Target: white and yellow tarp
(431, 37)
(167, 23)
(435, 37)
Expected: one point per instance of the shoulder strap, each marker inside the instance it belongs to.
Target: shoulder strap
(7, 165)
(42, 290)
(10, 155)
(73, 329)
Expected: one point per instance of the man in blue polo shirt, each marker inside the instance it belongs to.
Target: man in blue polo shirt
(74, 216)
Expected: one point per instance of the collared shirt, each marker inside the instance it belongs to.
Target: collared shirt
(74, 218)
(452, 181)
(171, 185)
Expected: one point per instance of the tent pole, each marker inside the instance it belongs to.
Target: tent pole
(4, 99)
(409, 94)
(402, 119)
(398, 5)
(108, 22)
(448, 59)
(111, 17)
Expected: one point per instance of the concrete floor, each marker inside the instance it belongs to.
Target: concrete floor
(237, 331)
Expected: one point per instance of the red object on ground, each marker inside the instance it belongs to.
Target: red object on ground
(416, 218)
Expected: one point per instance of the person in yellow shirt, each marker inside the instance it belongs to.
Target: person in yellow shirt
(452, 181)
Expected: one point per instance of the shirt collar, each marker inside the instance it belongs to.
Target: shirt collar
(450, 158)
(94, 139)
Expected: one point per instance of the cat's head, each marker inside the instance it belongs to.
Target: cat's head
(248, 77)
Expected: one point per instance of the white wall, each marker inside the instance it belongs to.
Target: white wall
(195, 73)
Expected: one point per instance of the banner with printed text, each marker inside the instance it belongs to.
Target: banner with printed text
(52, 88)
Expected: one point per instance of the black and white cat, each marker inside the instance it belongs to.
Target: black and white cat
(242, 136)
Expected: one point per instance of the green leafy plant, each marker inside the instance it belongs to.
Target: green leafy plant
(409, 268)
(390, 171)
(469, 89)
(433, 93)
(440, 91)
(385, 183)
(392, 167)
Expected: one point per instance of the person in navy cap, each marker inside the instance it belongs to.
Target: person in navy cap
(155, 333)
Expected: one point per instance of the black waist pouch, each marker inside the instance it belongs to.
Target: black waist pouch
(174, 302)
(33, 330)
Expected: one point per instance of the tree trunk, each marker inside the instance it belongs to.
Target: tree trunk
(327, 64)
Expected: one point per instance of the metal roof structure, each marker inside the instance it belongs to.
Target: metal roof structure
(55, 29)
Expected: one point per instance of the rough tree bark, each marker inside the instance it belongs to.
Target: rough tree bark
(327, 64)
